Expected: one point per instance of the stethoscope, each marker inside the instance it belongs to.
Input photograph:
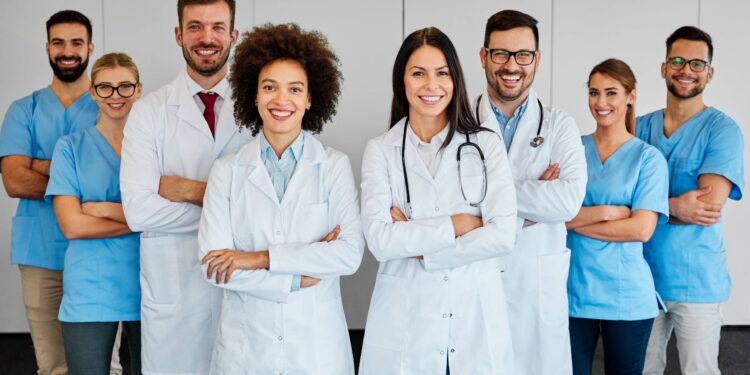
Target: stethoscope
(468, 143)
(536, 141)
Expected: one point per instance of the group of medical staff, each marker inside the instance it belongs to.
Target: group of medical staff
(208, 224)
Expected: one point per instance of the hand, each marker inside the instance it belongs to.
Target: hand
(397, 215)
(690, 210)
(616, 212)
(552, 173)
(528, 223)
(332, 235)
(464, 223)
(308, 281)
(40, 166)
(225, 261)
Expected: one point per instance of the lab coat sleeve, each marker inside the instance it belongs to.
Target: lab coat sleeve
(558, 200)
(388, 240)
(215, 233)
(497, 235)
(323, 260)
(140, 172)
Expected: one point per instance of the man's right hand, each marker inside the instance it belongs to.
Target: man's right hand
(688, 209)
(308, 281)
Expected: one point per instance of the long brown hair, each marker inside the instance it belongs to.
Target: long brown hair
(620, 72)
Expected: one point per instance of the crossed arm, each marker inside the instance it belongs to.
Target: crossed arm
(701, 206)
(25, 177)
(614, 223)
(89, 220)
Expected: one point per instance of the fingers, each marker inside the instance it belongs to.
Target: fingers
(418, 257)
(397, 214)
(551, 173)
(703, 191)
(332, 235)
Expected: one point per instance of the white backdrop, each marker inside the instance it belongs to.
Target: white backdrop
(575, 35)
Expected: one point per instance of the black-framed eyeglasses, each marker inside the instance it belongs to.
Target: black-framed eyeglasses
(125, 90)
(501, 56)
(696, 65)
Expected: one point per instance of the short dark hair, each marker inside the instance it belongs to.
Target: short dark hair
(460, 116)
(691, 33)
(181, 4)
(69, 16)
(268, 43)
(510, 19)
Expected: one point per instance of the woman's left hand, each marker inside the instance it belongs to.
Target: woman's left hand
(225, 261)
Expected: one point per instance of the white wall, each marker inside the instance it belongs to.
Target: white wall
(575, 35)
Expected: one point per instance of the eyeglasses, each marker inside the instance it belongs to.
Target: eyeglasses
(501, 56)
(696, 65)
(125, 90)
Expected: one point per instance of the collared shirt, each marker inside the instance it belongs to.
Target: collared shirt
(508, 126)
(221, 89)
(430, 152)
(280, 170)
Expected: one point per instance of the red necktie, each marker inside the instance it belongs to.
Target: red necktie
(208, 99)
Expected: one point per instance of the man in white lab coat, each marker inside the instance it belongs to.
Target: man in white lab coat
(172, 138)
(549, 169)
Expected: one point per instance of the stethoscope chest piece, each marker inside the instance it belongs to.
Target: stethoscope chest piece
(537, 141)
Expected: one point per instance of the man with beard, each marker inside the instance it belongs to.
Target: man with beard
(549, 168)
(30, 130)
(172, 138)
(704, 149)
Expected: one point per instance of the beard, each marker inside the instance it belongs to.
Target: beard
(68, 74)
(210, 70)
(493, 79)
(688, 95)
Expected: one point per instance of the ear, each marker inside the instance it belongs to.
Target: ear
(710, 74)
(139, 90)
(309, 102)
(537, 60)
(46, 48)
(178, 35)
(92, 92)
(91, 48)
(235, 35)
(632, 96)
(483, 56)
(663, 70)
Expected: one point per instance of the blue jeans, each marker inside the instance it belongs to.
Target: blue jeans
(624, 342)
(88, 346)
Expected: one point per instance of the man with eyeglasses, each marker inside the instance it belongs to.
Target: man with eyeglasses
(704, 149)
(549, 168)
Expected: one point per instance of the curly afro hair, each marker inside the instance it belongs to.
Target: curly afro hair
(268, 43)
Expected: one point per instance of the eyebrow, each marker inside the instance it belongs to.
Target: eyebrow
(269, 80)
(423, 68)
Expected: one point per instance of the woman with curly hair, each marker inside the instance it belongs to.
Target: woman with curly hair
(280, 220)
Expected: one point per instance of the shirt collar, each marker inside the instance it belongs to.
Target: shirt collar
(436, 140)
(517, 114)
(194, 88)
(294, 150)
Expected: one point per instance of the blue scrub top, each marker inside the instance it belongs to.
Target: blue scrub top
(31, 128)
(688, 261)
(101, 278)
(611, 280)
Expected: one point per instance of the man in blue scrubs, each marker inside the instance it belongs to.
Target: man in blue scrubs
(704, 150)
(30, 130)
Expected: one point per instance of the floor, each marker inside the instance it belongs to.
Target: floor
(17, 353)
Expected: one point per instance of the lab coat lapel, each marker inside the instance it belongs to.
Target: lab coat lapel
(226, 127)
(258, 176)
(520, 149)
(414, 164)
(313, 154)
(188, 110)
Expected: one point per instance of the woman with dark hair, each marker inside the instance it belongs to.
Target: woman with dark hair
(280, 220)
(438, 209)
(610, 287)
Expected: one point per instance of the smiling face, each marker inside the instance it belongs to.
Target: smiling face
(115, 107)
(206, 37)
(282, 97)
(608, 100)
(510, 82)
(68, 50)
(428, 83)
(684, 83)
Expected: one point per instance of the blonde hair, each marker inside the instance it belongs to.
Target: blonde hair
(114, 60)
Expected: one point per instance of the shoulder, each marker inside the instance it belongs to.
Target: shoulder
(23, 106)
(647, 119)
(649, 153)
(718, 120)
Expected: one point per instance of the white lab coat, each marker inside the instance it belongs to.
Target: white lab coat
(451, 305)
(166, 134)
(536, 272)
(265, 328)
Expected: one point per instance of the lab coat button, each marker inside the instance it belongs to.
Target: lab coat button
(437, 208)
(442, 352)
(278, 233)
(280, 338)
(453, 350)
(445, 315)
(445, 278)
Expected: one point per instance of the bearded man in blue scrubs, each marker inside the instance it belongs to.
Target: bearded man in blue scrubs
(30, 130)
(704, 151)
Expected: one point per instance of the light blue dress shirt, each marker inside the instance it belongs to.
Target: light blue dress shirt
(280, 170)
(688, 261)
(508, 126)
(31, 128)
(101, 281)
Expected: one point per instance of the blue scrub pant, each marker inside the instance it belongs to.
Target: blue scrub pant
(88, 346)
(624, 342)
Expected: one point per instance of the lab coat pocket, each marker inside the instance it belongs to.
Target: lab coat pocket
(387, 319)
(160, 276)
(553, 281)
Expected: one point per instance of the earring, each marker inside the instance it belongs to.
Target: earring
(630, 105)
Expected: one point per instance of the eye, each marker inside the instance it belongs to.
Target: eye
(417, 73)
(593, 94)
(193, 27)
(611, 93)
(297, 90)
(444, 73)
(219, 28)
(267, 88)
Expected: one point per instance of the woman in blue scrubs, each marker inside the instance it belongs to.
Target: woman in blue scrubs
(101, 278)
(610, 287)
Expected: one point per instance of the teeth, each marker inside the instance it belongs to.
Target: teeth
(511, 78)
(430, 98)
(67, 62)
(116, 105)
(281, 113)
(205, 52)
(685, 80)
(603, 113)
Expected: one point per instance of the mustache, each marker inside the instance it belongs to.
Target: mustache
(208, 45)
(500, 72)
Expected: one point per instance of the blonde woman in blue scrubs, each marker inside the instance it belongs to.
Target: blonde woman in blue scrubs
(610, 287)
